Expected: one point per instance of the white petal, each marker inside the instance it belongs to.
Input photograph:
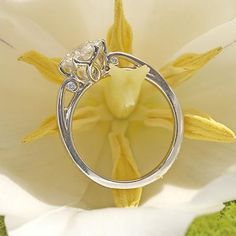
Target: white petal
(116, 222)
(160, 27)
(199, 162)
(165, 26)
(18, 205)
(22, 34)
(188, 173)
(218, 191)
(209, 198)
(53, 223)
(43, 169)
(163, 219)
(216, 81)
(72, 22)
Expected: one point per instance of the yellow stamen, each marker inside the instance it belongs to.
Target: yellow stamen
(186, 65)
(83, 119)
(48, 67)
(196, 126)
(123, 88)
(201, 128)
(119, 36)
(124, 168)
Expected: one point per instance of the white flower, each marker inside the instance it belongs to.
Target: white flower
(42, 192)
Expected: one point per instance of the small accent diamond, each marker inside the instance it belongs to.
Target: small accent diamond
(114, 60)
(71, 86)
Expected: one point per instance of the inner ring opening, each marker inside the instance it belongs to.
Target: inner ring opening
(156, 166)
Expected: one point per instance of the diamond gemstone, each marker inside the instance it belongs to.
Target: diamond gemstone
(84, 52)
(71, 86)
(68, 64)
(114, 60)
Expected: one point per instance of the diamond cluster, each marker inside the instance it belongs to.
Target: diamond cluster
(82, 53)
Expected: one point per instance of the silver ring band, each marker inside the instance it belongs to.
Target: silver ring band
(65, 113)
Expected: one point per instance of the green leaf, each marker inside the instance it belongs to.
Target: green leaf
(222, 223)
(3, 231)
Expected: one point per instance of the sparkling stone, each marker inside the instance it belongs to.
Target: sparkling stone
(68, 64)
(71, 86)
(114, 60)
(84, 52)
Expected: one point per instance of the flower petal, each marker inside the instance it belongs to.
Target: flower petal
(22, 34)
(212, 90)
(166, 26)
(211, 197)
(73, 17)
(218, 191)
(142, 221)
(185, 66)
(155, 23)
(40, 169)
(22, 208)
(215, 83)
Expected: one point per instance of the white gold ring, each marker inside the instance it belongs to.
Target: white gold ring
(85, 66)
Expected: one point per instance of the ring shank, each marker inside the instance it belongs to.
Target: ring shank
(65, 124)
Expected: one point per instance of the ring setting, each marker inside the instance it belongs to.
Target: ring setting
(86, 65)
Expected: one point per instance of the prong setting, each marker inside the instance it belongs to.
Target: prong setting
(87, 62)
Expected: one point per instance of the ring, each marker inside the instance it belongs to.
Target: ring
(85, 66)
